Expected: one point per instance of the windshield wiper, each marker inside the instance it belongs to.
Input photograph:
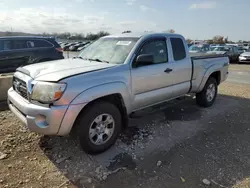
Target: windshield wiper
(89, 59)
(98, 60)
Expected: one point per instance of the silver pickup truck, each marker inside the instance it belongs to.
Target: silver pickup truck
(96, 92)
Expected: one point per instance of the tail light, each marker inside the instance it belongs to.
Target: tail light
(59, 49)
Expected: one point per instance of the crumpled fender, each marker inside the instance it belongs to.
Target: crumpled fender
(102, 90)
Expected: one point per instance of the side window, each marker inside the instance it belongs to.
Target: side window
(5, 45)
(30, 44)
(178, 49)
(158, 49)
(19, 44)
(206, 48)
(41, 44)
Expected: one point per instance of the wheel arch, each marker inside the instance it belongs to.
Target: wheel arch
(116, 99)
(210, 73)
(87, 98)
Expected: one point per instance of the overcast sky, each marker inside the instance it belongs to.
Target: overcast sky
(196, 19)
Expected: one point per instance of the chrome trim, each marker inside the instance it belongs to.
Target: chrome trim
(31, 114)
(28, 81)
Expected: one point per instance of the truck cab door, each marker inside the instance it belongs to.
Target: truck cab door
(182, 66)
(151, 83)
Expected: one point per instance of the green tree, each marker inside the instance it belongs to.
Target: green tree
(218, 39)
(188, 41)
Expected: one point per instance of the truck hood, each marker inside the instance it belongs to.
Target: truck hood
(59, 69)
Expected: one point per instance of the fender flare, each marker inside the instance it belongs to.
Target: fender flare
(103, 90)
(209, 71)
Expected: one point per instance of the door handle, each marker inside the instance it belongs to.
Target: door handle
(168, 70)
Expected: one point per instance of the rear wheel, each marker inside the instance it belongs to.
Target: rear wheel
(208, 95)
(98, 127)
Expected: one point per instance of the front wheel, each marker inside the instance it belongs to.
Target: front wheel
(208, 95)
(98, 127)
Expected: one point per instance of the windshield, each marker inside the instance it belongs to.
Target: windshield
(111, 50)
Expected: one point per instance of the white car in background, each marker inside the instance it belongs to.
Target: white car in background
(245, 57)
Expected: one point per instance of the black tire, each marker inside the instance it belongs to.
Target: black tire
(85, 122)
(201, 98)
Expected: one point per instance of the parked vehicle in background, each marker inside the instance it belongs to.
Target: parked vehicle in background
(245, 57)
(234, 53)
(202, 48)
(63, 44)
(94, 94)
(233, 44)
(67, 46)
(246, 46)
(75, 47)
(197, 42)
(20, 51)
(231, 51)
(213, 46)
(83, 47)
(241, 50)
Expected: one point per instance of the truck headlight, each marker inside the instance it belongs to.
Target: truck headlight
(46, 92)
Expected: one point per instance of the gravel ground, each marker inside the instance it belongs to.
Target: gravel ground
(173, 145)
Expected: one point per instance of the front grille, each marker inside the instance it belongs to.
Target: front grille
(20, 87)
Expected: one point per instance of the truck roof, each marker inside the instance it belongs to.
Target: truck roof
(143, 34)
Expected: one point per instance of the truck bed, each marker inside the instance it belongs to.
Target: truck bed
(201, 62)
(195, 56)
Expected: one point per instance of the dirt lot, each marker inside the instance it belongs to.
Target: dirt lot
(173, 145)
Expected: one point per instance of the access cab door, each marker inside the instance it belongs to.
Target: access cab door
(153, 83)
(182, 66)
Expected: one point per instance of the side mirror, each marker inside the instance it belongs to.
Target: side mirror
(144, 59)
